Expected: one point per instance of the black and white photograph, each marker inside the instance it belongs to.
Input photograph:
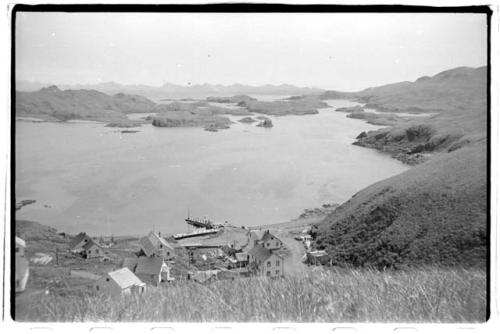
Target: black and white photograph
(252, 164)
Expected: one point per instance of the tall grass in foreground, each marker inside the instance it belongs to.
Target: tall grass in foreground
(416, 295)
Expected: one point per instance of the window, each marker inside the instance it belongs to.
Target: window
(97, 251)
(268, 273)
(161, 246)
(17, 249)
(277, 272)
(268, 263)
(277, 262)
(90, 251)
(97, 287)
(267, 244)
(107, 279)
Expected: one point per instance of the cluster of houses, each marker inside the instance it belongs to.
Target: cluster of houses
(152, 264)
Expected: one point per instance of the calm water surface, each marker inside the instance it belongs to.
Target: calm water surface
(87, 177)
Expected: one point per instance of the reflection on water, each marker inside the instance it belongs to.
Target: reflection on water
(89, 177)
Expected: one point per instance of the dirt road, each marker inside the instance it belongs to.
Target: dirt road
(293, 262)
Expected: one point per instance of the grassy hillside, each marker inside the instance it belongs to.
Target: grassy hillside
(448, 91)
(418, 295)
(433, 213)
(436, 211)
(40, 238)
(51, 103)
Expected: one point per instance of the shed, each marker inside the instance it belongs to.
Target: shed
(317, 257)
(152, 270)
(121, 281)
(242, 259)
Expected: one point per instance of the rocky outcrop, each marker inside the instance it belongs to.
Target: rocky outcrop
(200, 118)
(247, 120)
(303, 106)
(266, 124)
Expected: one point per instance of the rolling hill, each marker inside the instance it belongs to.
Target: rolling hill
(52, 103)
(436, 212)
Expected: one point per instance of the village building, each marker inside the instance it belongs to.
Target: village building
(130, 263)
(266, 262)
(76, 244)
(92, 250)
(154, 245)
(270, 241)
(317, 257)
(241, 259)
(119, 282)
(153, 270)
(22, 265)
(265, 238)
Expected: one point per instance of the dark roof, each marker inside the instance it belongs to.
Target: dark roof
(147, 246)
(130, 263)
(76, 240)
(151, 243)
(157, 240)
(89, 244)
(260, 252)
(268, 236)
(149, 265)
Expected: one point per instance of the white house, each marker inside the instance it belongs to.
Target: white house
(22, 265)
(121, 281)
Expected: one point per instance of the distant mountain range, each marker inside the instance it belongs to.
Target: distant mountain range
(169, 90)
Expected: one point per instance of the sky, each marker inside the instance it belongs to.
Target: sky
(348, 51)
